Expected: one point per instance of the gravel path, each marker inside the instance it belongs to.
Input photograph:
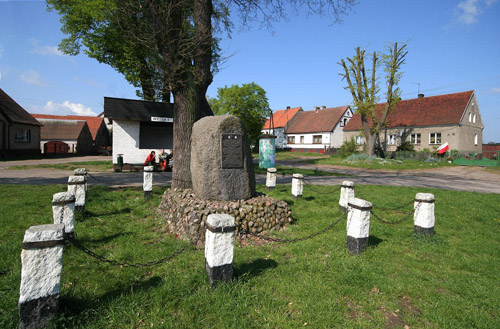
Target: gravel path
(458, 178)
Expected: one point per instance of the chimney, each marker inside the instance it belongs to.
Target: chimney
(420, 95)
(288, 107)
(323, 107)
(316, 108)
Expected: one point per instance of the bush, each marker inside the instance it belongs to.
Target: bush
(349, 147)
(406, 146)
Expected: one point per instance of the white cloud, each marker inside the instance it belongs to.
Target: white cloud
(33, 78)
(67, 108)
(496, 90)
(44, 49)
(468, 11)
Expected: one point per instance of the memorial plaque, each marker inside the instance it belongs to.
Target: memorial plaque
(232, 151)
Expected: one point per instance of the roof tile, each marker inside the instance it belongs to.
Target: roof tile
(321, 120)
(282, 117)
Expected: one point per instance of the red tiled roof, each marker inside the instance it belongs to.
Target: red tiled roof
(316, 121)
(94, 123)
(426, 111)
(65, 130)
(282, 117)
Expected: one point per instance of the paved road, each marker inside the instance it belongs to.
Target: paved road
(451, 178)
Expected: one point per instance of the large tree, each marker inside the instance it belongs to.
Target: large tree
(365, 89)
(170, 45)
(248, 102)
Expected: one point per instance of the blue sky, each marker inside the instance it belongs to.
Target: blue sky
(453, 46)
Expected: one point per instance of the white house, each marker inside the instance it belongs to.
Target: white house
(139, 127)
(278, 122)
(319, 130)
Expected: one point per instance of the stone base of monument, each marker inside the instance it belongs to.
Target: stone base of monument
(185, 214)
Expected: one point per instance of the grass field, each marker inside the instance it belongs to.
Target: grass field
(288, 171)
(89, 165)
(448, 281)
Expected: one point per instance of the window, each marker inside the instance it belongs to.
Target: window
(435, 138)
(470, 116)
(475, 139)
(391, 140)
(343, 122)
(359, 140)
(291, 139)
(474, 118)
(301, 139)
(415, 138)
(23, 136)
(317, 139)
(156, 135)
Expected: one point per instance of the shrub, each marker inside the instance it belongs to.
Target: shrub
(406, 146)
(349, 147)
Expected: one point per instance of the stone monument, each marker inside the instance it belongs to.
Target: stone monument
(221, 161)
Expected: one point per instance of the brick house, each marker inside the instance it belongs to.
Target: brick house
(278, 123)
(319, 130)
(19, 131)
(139, 127)
(100, 135)
(428, 122)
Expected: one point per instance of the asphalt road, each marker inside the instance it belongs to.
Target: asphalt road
(450, 178)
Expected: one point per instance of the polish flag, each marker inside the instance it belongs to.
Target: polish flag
(443, 148)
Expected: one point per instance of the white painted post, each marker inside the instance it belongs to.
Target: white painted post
(219, 248)
(346, 194)
(82, 172)
(271, 178)
(297, 185)
(41, 260)
(63, 211)
(358, 225)
(423, 217)
(148, 181)
(76, 186)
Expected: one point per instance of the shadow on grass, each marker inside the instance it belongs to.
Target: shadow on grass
(71, 307)
(245, 272)
(373, 241)
(103, 239)
(87, 213)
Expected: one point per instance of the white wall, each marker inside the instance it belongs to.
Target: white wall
(326, 137)
(280, 136)
(126, 142)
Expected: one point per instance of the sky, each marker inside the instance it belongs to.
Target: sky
(453, 46)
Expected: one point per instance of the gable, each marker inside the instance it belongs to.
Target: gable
(281, 118)
(427, 111)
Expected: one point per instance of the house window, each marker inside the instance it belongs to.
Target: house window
(470, 116)
(291, 139)
(301, 139)
(156, 135)
(474, 118)
(317, 139)
(415, 138)
(475, 139)
(392, 140)
(343, 122)
(23, 136)
(435, 138)
(359, 140)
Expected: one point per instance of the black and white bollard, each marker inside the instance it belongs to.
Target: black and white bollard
(76, 186)
(81, 172)
(41, 261)
(148, 181)
(297, 185)
(63, 211)
(346, 194)
(423, 217)
(271, 178)
(358, 225)
(219, 248)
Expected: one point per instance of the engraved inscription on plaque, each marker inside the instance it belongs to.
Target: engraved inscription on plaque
(232, 151)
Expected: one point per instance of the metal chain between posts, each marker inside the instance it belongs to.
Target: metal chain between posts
(95, 178)
(397, 222)
(270, 239)
(125, 264)
(318, 192)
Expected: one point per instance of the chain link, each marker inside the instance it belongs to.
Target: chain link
(318, 192)
(396, 222)
(267, 238)
(125, 264)
(95, 178)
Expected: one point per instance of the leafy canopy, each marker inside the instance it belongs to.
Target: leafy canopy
(248, 102)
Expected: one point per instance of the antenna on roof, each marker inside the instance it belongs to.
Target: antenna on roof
(417, 83)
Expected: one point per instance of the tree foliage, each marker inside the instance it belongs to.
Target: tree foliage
(364, 88)
(248, 102)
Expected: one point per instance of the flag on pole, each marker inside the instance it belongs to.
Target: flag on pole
(443, 148)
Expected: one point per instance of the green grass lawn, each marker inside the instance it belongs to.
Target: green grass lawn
(449, 281)
(379, 164)
(288, 171)
(89, 165)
